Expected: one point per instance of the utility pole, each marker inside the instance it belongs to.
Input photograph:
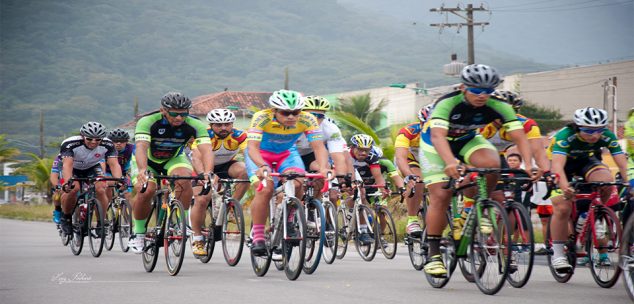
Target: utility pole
(41, 133)
(470, 24)
(286, 78)
(609, 94)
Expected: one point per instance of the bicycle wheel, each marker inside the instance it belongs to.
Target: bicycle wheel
(569, 251)
(233, 232)
(208, 233)
(175, 237)
(65, 238)
(153, 239)
(522, 246)
(492, 246)
(294, 246)
(602, 247)
(125, 225)
(78, 222)
(315, 236)
(111, 226)
(627, 257)
(261, 264)
(96, 228)
(342, 232)
(416, 248)
(366, 251)
(447, 251)
(330, 244)
(386, 232)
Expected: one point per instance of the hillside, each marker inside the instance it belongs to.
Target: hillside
(80, 61)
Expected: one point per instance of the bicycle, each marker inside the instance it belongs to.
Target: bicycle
(118, 220)
(349, 228)
(383, 223)
(167, 225)
(315, 226)
(330, 232)
(416, 248)
(626, 257)
(601, 232)
(488, 253)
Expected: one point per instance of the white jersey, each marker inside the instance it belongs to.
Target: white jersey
(84, 158)
(332, 136)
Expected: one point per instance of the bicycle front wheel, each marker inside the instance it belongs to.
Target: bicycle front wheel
(330, 244)
(110, 221)
(570, 252)
(315, 237)
(386, 232)
(209, 233)
(78, 223)
(152, 239)
(125, 225)
(490, 248)
(343, 234)
(447, 251)
(294, 246)
(602, 246)
(627, 257)
(96, 228)
(367, 251)
(233, 232)
(416, 248)
(175, 237)
(261, 264)
(522, 245)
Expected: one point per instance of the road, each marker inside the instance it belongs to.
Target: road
(36, 268)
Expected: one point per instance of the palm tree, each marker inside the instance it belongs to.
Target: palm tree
(7, 154)
(37, 170)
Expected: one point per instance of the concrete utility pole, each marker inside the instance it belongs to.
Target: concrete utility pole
(609, 94)
(469, 18)
(42, 152)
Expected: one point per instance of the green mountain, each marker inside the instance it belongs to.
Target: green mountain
(88, 60)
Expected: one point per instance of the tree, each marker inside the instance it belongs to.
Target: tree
(37, 170)
(7, 154)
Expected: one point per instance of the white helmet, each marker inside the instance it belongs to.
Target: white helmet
(286, 100)
(220, 116)
(480, 76)
(591, 117)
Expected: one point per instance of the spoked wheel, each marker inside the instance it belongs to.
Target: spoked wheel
(96, 228)
(603, 247)
(315, 235)
(233, 232)
(152, 240)
(65, 238)
(78, 223)
(208, 232)
(522, 245)
(175, 237)
(261, 264)
(294, 246)
(111, 226)
(569, 251)
(343, 235)
(330, 243)
(490, 248)
(447, 251)
(125, 225)
(386, 232)
(416, 249)
(366, 251)
(627, 257)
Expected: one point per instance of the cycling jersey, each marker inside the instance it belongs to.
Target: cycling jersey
(409, 137)
(363, 166)
(124, 157)
(331, 135)
(84, 158)
(57, 165)
(499, 137)
(568, 142)
(226, 149)
(275, 137)
(167, 141)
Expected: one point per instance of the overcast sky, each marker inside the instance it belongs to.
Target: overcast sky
(568, 32)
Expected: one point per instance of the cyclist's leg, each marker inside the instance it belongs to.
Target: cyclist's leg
(180, 166)
(559, 229)
(141, 207)
(239, 170)
(414, 203)
(293, 163)
(68, 201)
(599, 172)
(260, 202)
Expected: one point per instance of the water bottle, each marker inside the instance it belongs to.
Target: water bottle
(581, 221)
(82, 212)
(600, 228)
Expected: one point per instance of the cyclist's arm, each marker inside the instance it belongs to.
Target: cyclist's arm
(400, 156)
(557, 167)
(67, 168)
(339, 159)
(439, 140)
(321, 154)
(519, 138)
(140, 155)
(621, 162)
(54, 179)
(539, 153)
(253, 147)
(115, 168)
(206, 156)
(376, 174)
(196, 163)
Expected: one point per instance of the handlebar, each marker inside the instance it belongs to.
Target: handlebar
(294, 175)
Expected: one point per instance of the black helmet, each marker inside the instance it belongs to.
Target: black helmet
(93, 129)
(119, 135)
(176, 100)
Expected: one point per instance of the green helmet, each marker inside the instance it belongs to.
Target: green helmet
(286, 100)
(316, 103)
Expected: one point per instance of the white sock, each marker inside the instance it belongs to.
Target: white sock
(558, 249)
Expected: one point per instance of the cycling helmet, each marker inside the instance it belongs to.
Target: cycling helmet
(591, 117)
(119, 135)
(362, 141)
(425, 112)
(509, 97)
(316, 103)
(93, 129)
(176, 100)
(480, 76)
(286, 100)
(376, 152)
(220, 116)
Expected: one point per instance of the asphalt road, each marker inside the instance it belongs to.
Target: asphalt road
(36, 268)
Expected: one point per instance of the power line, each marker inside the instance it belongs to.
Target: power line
(469, 24)
(560, 8)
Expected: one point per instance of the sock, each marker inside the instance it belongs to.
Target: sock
(139, 226)
(412, 219)
(558, 249)
(434, 245)
(258, 233)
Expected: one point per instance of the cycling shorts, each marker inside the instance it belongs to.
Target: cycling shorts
(286, 160)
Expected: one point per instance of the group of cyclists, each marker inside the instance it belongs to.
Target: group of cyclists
(295, 135)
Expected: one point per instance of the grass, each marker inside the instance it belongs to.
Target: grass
(20, 211)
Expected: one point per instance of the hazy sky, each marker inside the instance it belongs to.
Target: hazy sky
(550, 31)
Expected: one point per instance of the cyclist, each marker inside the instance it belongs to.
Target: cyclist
(270, 139)
(226, 143)
(120, 138)
(406, 158)
(81, 157)
(160, 138)
(452, 134)
(56, 189)
(574, 151)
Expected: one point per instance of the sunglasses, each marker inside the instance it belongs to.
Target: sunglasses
(289, 113)
(92, 139)
(478, 91)
(318, 115)
(176, 114)
(591, 130)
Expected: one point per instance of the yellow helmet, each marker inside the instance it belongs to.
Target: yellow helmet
(314, 102)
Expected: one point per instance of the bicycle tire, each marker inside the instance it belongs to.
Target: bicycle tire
(626, 260)
(208, 232)
(330, 243)
(111, 224)
(315, 237)
(570, 252)
(492, 246)
(152, 240)
(294, 251)
(605, 275)
(175, 238)
(416, 248)
(448, 253)
(233, 232)
(261, 264)
(342, 233)
(64, 238)
(523, 245)
(125, 225)
(77, 237)
(366, 251)
(96, 229)
(386, 237)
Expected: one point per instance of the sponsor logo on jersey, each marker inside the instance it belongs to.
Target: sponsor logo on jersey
(456, 116)
(161, 131)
